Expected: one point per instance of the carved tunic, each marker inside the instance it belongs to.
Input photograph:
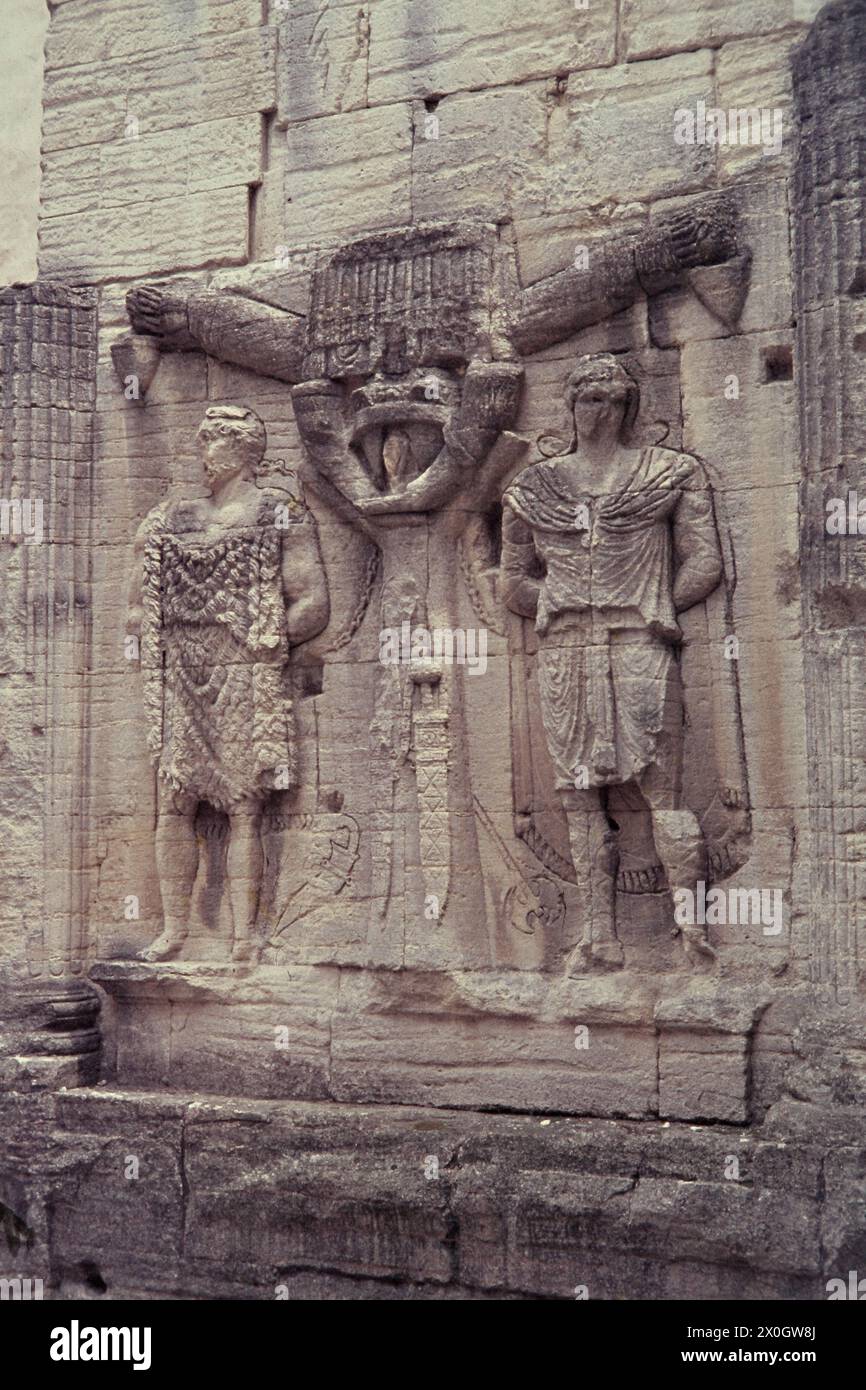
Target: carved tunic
(609, 678)
(214, 654)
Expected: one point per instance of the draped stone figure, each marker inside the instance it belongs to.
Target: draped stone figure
(603, 547)
(222, 588)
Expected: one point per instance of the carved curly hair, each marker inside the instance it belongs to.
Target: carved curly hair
(241, 422)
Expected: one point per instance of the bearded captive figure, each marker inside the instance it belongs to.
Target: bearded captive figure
(603, 547)
(222, 588)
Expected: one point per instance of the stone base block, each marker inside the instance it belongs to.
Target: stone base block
(134, 1195)
(506, 1040)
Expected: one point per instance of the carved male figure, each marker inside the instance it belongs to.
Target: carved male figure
(603, 547)
(223, 587)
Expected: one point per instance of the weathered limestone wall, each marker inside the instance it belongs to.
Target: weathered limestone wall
(230, 146)
(25, 24)
(192, 137)
(265, 1199)
(48, 340)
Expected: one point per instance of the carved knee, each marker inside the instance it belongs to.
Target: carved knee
(607, 854)
(680, 845)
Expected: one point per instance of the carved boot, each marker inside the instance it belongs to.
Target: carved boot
(681, 848)
(596, 856)
(176, 863)
(244, 864)
(245, 949)
(697, 948)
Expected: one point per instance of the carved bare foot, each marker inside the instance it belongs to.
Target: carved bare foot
(696, 946)
(594, 955)
(167, 945)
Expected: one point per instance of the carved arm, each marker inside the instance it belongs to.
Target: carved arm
(618, 270)
(228, 326)
(696, 544)
(134, 613)
(305, 584)
(519, 565)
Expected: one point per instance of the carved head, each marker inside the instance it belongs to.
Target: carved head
(231, 439)
(397, 422)
(602, 397)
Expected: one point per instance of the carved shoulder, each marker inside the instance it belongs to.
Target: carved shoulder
(154, 521)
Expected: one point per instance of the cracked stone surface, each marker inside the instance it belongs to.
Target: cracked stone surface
(431, 777)
(234, 1199)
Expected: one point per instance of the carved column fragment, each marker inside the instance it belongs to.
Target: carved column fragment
(47, 393)
(830, 285)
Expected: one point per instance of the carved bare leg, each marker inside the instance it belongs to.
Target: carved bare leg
(595, 856)
(244, 863)
(176, 864)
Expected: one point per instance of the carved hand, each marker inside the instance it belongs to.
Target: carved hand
(491, 396)
(152, 310)
(699, 238)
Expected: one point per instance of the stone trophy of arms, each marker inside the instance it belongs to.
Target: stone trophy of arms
(603, 548)
(222, 588)
(407, 367)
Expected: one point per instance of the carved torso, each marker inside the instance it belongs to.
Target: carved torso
(610, 554)
(226, 578)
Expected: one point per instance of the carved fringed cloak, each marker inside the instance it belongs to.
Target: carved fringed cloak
(214, 652)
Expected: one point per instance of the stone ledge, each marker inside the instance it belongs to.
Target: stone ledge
(479, 1039)
(234, 1198)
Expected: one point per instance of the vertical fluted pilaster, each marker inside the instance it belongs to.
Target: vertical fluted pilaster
(47, 394)
(829, 217)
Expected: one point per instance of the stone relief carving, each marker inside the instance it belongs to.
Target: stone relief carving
(407, 377)
(223, 587)
(603, 547)
(461, 887)
(324, 871)
(526, 903)
(437, 295)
